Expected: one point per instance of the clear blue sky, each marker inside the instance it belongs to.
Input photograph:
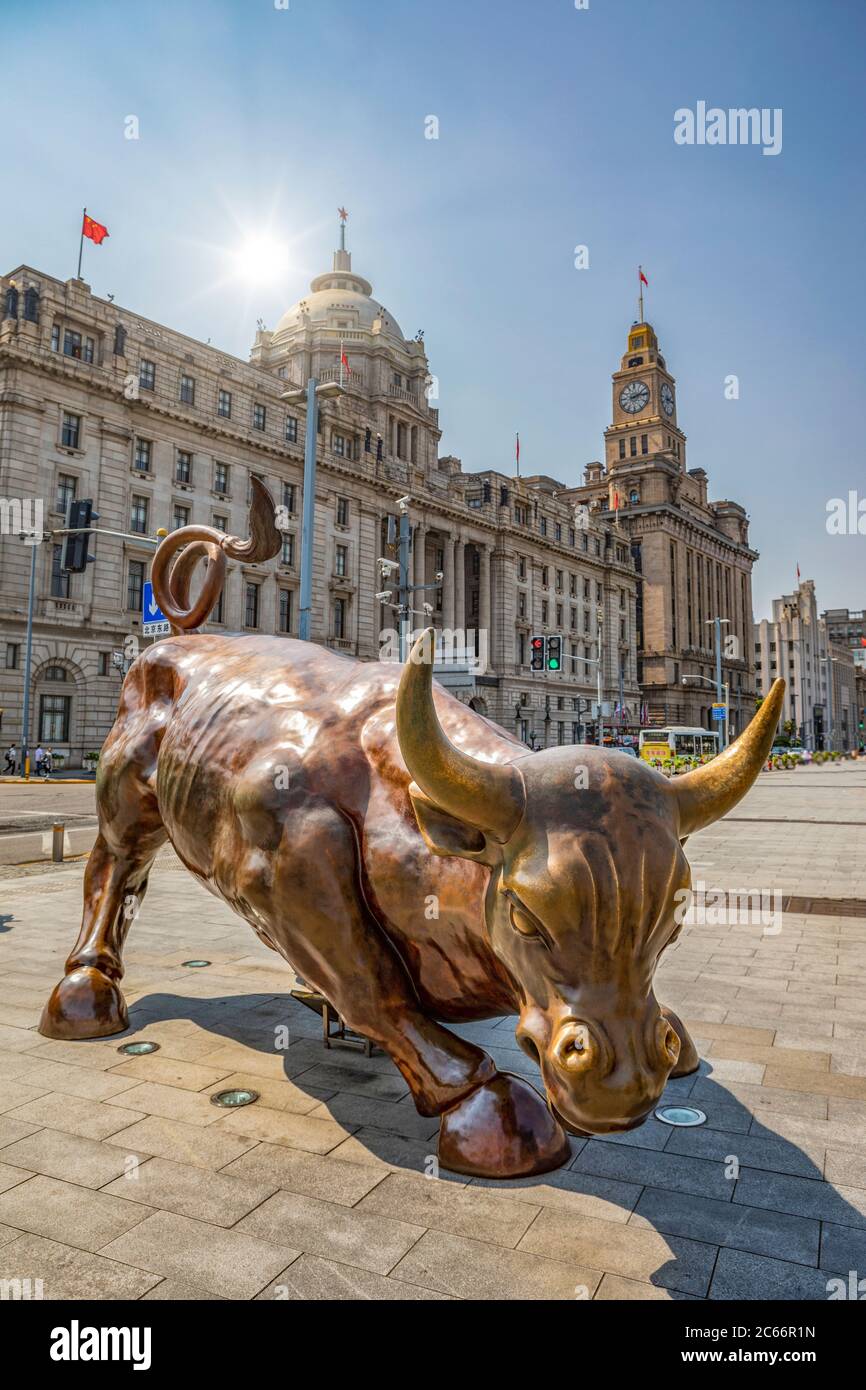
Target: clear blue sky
(556, 129)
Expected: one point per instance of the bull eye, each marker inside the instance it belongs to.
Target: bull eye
(522, 922)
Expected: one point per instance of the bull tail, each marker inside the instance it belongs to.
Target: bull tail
(171, 582)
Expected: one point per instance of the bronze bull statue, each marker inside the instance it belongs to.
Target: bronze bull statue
(411, 860)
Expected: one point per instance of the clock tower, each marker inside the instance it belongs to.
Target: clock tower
(644, 421)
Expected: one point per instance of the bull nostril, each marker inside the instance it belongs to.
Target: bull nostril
(571, 1049)
(672, 1044)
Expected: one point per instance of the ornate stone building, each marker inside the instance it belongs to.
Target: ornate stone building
(692, 556)
(161, 430)
(817, 659)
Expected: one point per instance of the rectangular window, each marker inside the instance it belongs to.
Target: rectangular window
(88, 350)
(221, 478)
(180, 516)
(105, 663)
(13, 651)
(59, 578)
(216, 613)
(143, 451)
(632, 445)
(258, 416)
(187, 389)
(138, 515)
(521, 605)
(622, 448)
(288, 553)
(71, 343)
(341, 556)
(220, 522)
(224, 404)
(55, 337)
(183, 467)
(291, 429)
(54, 718)
(289, 494)
(147, 374)
(340, 618)
(557, 532)
(339, 445)
(66, 486)
(70, 430)
(544, 526)
(544, 610)
(285, 610)
(644, 444)
(251, 605)
(134, 585)
(342, 511)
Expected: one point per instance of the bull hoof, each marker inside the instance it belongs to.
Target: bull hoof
(502, 1130)
(688, 1060)
(85, 1004)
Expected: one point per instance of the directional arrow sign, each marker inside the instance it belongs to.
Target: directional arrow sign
(155, 622)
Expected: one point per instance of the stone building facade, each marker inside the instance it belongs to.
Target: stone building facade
(813, 655)
(692, 555)
(161, 430)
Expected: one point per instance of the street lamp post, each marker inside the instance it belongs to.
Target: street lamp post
(311, 395)
(716, 623)
(724, 693)
(28, 662)
(599, 621)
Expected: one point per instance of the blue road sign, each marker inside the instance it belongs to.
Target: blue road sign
(155, 623)
(719, 713)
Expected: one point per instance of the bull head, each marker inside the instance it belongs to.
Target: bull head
(585, 875)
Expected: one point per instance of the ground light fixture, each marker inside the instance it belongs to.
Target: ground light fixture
(680, 1116)
(195, 964)
(232, 1100)
(138, 1049)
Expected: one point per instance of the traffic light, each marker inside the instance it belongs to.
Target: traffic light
(554, 653)
(536, 649)
(74, 558)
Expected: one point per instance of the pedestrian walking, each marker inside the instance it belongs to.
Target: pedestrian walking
(11, 759)
(47, 762)
(38, 757)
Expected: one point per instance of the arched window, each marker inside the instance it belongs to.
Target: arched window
(31, 304)
(54, 673)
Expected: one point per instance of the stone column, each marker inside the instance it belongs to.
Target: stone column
(419, 545)
(459, 585)
(448, 585)
(484, 589)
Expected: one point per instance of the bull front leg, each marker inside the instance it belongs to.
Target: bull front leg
(493, 1124)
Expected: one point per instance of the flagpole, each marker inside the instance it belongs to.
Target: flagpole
(341, 361)
(640, 291)
(81, 242)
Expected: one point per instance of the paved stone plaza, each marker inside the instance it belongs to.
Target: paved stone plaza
(119, 1179)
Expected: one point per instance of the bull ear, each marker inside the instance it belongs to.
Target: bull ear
(447, 835)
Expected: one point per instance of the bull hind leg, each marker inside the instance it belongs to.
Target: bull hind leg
(88, 1002)
(492, 1124)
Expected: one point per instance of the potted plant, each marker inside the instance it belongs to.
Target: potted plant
(90, 760)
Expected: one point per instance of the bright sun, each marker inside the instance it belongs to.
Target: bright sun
(260, 260)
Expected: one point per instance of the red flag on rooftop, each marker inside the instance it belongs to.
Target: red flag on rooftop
(94, 230)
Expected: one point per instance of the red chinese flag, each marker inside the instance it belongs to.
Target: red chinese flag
(94, 230)
(642, 276)
(344, 361)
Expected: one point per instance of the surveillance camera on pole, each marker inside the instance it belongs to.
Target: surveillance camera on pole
(403, 503)
(384, 597)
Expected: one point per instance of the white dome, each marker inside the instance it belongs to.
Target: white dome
(340, 299)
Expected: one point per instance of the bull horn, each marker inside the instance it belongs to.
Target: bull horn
(489, 796)
(710, 792)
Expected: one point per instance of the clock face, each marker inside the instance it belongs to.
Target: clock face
(667, 398)
(634, 396)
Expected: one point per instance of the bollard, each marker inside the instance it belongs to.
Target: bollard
(57, 843)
